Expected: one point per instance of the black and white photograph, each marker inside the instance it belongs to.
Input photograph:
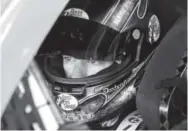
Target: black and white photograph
(116, 65)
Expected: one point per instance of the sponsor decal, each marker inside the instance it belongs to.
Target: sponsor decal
(131, 122)
(75, 12)
(154, 29)
(116, 87)
(125, 82)
(66, 102)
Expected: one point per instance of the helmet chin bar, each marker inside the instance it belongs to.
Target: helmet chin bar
(100, 103)
(79, 68)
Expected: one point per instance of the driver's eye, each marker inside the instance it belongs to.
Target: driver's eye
(67, 58)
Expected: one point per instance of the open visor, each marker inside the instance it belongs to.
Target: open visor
(92, 29)
(83, 39)
(90, 42)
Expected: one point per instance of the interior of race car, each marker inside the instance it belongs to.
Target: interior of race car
(90, 74)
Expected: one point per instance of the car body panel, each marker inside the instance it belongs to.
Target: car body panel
(21, 37)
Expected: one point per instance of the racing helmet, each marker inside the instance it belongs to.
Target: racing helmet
(95, 54)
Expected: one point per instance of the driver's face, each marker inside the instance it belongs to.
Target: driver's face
(79, 68)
